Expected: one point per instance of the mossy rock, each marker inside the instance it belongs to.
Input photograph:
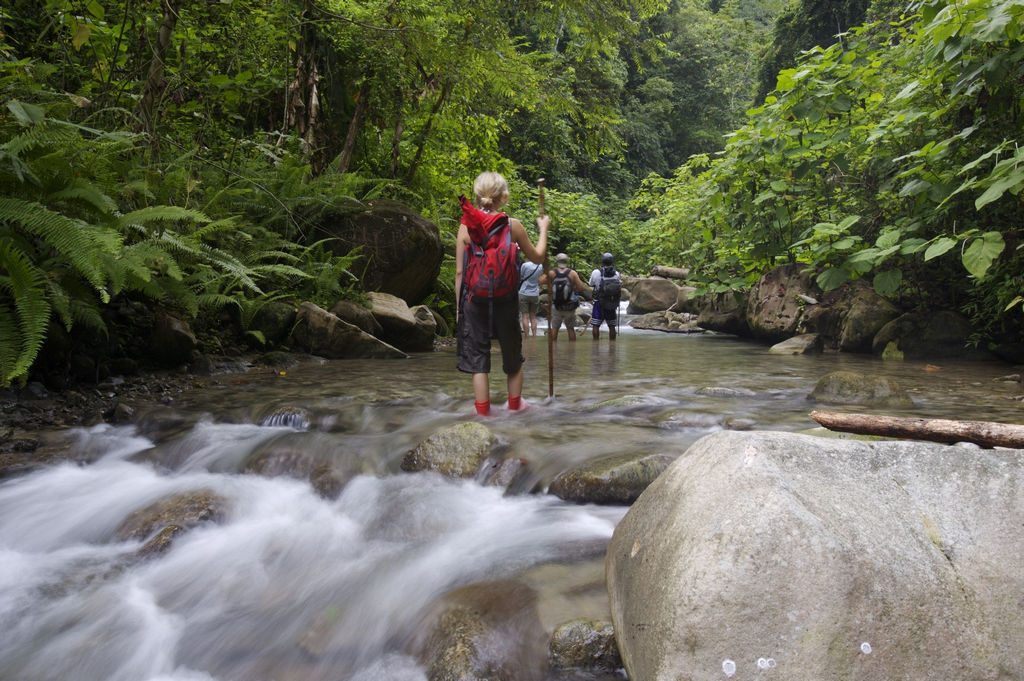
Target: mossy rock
(617, 479)
(849, 387)
(457, 451)
(585, 645)
(186, 511)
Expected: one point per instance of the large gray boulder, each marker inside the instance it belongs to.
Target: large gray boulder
(823, 559)
(457, 451)
(400, 252)
(616, 479)
(775, 303)
(652, 294)
(724, 312)
(319, 332)
(921, 335)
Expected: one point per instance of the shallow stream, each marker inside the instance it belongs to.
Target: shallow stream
(291, 586)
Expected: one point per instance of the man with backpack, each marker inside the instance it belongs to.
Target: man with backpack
(564, 287)
(607, 285)
(487, 286)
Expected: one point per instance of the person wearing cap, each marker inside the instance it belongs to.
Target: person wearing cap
(607, 285)
(529, 295)
(564, 287)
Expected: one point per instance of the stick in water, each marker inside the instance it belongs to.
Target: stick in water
(551, 335)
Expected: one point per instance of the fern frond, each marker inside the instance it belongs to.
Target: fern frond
(87, 193)
(280, 271)
(40, 135)
(144, 216)
(216, 227)
(87, 314)
(69, 237)
(27, 285)
(10, 340)
(215, 300)
(61, 303)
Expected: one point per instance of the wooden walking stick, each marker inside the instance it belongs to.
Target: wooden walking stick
(551, 335)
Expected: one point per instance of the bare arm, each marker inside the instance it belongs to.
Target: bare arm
(519, 235)
(460, 257)
(578, 284)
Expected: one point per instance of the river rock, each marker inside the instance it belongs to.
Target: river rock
(357, 315)
(457, 451)
(652, 294)
(683, 300)
(274, 321)
(171, 341)
(804, 344)
(421, 339)
(724, 312)
(669, 322)
(867, 314)
(401, 327)
(400, 252)
(833, 559)
(925, 335)
(186, 510)
(850, 387)
(775, 305)
(321, 333)
(586, 645)
(616, 479)
(512, 475)
(304, 456)
(485, 632)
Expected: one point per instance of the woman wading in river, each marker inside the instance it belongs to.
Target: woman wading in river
(487, 282)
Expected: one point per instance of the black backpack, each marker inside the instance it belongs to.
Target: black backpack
(609, 289)
(563, 294)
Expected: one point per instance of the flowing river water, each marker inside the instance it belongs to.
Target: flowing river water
(292, 586)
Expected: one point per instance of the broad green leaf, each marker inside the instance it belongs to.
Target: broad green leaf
(832, 278)
(95, 9)
(779, 185)
(25, 114)
(999, 188)
(81, 36)
(915, 187)
(1013, 303)
(982, 252)
(939, 247)
(888, 282)
(848, 221)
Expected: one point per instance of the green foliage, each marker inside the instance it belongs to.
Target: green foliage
(894, 155)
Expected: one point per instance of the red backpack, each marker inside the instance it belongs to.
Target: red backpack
(491, 262)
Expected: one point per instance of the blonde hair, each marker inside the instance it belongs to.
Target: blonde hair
(491, 190)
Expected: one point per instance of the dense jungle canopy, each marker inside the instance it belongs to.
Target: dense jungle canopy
(169, 151)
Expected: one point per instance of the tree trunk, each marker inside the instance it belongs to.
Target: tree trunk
(670, 272)
(984, 433)
(153, 88)
(355, 126)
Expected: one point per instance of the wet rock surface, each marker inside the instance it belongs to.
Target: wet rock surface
(617, 479)
(584, 644)
(489, 631)
(457, 451)
(183, 511)
(850, 387)
(831, 558)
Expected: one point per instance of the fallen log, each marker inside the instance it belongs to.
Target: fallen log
(984, 433)
(670, 272)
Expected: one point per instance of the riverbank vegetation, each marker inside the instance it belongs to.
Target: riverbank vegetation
(169, 152)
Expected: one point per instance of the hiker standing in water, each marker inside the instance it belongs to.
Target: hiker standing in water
(564, 287)
(529, 295)
(607, 285)
(487, 286)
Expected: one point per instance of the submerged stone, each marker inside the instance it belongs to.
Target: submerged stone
(850, 387)
(617, 479)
